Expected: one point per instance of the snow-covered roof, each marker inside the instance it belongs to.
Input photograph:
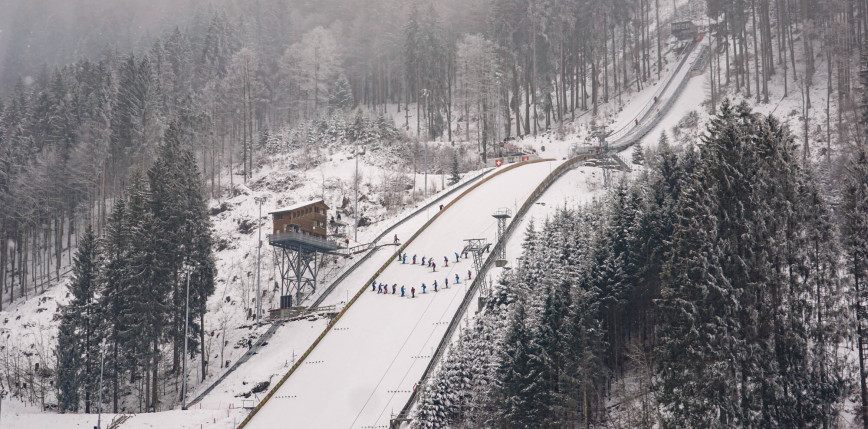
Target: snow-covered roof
(298, 206)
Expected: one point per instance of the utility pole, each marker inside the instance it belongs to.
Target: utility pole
(427, 137)
(259, 264)
(101, 367)
(186, 338)
(356, 210)
(497, 115)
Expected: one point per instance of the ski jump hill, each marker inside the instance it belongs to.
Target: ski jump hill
(364, 369)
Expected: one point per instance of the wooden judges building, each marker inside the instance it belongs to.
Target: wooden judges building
(300, 242)
(307, 218)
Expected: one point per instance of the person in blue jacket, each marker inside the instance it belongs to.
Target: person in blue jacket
(456, 256)
(423, 260)
(414, 259)
(423, 287)
(435, 285)
(445, 261)
(404, 259)
(447, 282)
(402, 291)
(457, 279)
(373, 286)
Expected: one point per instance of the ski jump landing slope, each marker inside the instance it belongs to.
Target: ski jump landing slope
(364, 370)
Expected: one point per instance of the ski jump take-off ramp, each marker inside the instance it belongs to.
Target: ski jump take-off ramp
(362, 370)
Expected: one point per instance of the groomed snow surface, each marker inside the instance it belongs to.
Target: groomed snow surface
(364, 370)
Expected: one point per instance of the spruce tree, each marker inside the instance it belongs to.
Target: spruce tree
(455, 176)
(78, 342)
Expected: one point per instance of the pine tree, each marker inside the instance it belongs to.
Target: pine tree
(79, 338)
(114, 299)
(455, 176)
(638, 155)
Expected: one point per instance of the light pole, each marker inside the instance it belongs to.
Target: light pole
(356, 209)
(187, 270)
(102, 347)
(497, 115)
(259, 264)
(427, 137)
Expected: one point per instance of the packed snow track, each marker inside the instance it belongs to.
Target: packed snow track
(364, 370)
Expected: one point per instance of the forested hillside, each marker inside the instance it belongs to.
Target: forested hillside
(710, 292)
(722, 287)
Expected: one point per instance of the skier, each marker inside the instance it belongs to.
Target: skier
(394, 286)
(468, 274)
(249, 344)
(413, 291)
(423, 260)
(430, 261)
(636, 121)
(435, 285)
(456, 257)
(433, 268)
(414, 259)
(373, 286)
(423, 287)
(380, 288)
(404, 259)
(396, 239)
(447, 282)
(446, 262)
(456, 279)
(402, 291)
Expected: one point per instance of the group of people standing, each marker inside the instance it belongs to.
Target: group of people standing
(383, 288)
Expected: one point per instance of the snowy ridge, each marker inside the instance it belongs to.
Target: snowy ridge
(364, 287)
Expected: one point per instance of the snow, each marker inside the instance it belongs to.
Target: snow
(296, 206)
(364, 370)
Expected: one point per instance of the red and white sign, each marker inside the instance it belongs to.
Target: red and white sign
(498, 162)
(525, 158)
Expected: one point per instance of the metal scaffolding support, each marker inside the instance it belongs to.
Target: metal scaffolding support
(299, 267)
(501, 215)
(477, 247)
(298, 258)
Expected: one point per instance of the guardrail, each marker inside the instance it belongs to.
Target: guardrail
(474, 286)
(650, 124)
(365, 287)
(629, 128)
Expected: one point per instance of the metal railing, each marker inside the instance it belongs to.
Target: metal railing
(303, 238)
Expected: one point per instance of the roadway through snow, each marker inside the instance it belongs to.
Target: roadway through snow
(364, 370)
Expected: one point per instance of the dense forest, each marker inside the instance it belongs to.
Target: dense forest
(711, 292)
(478, 71)
(86, 129)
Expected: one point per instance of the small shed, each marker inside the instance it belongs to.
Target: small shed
(308, 217)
